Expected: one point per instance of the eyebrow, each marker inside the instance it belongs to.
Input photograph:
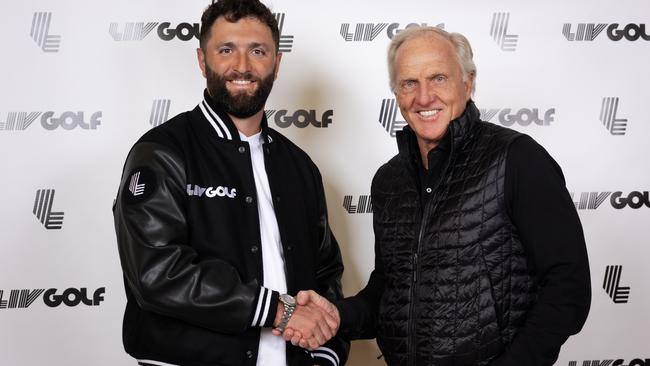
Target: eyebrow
(250, 45)
(257, 44)
(436, 74)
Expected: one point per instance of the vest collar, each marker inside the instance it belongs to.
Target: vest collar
(458, 128)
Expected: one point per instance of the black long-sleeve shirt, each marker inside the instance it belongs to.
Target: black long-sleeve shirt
(541, 208)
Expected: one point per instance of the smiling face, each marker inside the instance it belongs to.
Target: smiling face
(240, 63)
(429, 87)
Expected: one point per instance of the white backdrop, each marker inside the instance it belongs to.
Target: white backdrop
(100, 81)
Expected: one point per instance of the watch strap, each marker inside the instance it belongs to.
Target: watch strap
(286, 315)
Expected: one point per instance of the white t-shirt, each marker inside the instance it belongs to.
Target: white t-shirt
(272, 349)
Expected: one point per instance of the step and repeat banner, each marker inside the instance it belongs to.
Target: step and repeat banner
(82, 80)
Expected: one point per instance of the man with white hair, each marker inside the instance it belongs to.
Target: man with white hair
(480, 257)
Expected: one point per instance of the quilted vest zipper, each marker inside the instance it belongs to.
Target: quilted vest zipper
(411, 345)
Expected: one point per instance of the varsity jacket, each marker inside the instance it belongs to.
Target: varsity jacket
(187, 228)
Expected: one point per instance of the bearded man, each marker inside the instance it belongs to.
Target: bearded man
(219, 218)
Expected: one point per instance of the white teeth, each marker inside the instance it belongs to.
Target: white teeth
(241, 82)
(429, 113)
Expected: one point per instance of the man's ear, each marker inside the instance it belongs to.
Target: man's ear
(469, 84)
(200, 55)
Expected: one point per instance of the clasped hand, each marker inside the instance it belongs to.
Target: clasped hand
(314, 321)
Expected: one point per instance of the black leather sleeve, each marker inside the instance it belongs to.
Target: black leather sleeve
(161, 269)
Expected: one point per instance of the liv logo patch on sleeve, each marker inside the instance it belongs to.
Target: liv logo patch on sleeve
(139, 185)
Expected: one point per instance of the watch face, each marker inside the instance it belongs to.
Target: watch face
(288, 299)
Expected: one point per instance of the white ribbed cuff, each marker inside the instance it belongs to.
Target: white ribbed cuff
(263, 308)
(154, 363)
(327, 354)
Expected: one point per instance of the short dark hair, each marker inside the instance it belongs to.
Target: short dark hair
(233, 11)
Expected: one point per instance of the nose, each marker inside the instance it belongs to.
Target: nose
(425, 94)
(242, 63)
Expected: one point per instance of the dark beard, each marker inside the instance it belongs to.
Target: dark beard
(240, 105)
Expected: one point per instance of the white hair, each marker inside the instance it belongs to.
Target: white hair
(461, 45)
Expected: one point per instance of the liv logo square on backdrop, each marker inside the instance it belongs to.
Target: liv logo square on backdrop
(364, 205)
(286, 41)
(159, 111)
(43, 210)
(388, 116)
(499, 32)
(40, 32)
(612, 285)
(608, 110)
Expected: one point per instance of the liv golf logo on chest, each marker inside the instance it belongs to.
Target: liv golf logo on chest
(43, 210)
(211, 192)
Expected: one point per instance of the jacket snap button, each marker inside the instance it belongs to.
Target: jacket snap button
(242, 149)
(249, 199)
(254, 249)
(249, 354)
(289, 247)
(428, 190)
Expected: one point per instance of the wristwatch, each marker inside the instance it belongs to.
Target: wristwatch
(289, 303)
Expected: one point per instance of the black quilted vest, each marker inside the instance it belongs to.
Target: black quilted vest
(457, 283)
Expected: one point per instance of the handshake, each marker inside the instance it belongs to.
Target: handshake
(314, 321)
